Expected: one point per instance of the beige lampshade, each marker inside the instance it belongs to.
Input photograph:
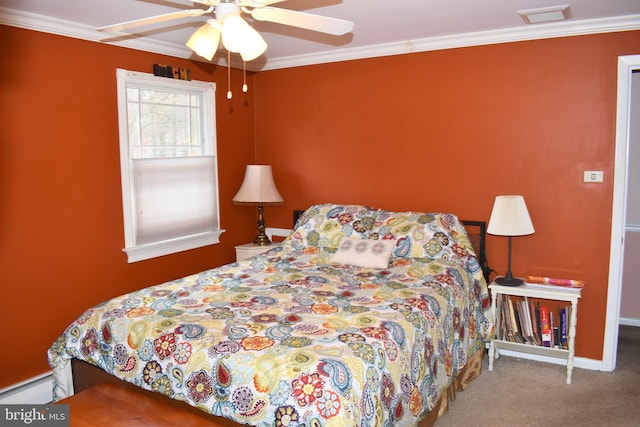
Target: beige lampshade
(258, 187)
(205, 40)
(254, 47)
(240, 37)
(510, 217)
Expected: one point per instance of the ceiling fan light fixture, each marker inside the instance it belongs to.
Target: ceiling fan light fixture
(226, 8)
(254, 46)
(239, 37)
(204, 42)
(234, 31)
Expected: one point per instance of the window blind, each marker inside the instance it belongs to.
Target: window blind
(173, 197)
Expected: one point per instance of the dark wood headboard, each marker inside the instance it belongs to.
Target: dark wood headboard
(296, 214)
(477, 231)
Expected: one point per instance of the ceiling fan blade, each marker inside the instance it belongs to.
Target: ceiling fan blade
(154, 19)
(267, 2)
(240, 3)
(305, 20)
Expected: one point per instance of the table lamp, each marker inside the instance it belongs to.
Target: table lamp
(509, 217)
(258, 189)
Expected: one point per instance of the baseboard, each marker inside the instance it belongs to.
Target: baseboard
(626, 321)
(37, 391)
(578, 362)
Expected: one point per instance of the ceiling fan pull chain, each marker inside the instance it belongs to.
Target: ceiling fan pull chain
(229, 94)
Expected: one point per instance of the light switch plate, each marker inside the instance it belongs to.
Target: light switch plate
(593, 176)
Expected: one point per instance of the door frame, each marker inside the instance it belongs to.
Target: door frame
(626, 66)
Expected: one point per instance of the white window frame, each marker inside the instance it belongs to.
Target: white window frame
(138, 252)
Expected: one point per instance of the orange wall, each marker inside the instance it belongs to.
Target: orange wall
(61, 227)
(449, 130)
(443, 130)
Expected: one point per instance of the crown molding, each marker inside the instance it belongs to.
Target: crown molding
(61, 27)
(507, 35)
(47, 24)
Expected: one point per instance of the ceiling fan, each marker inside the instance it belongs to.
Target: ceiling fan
(236, 34)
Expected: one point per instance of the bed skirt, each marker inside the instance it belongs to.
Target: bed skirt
(471, 371)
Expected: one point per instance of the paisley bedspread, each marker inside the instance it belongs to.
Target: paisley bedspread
(289, 338)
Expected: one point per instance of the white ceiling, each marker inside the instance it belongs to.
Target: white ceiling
(382, 27)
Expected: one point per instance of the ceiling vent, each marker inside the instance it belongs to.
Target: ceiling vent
(545, 14)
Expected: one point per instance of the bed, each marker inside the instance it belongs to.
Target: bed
(360, 317)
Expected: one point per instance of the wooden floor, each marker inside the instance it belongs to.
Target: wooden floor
(117, 406)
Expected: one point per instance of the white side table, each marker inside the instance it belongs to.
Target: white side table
(556, 294)
(249, 250)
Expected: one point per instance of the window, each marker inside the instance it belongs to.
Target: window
(168, 164)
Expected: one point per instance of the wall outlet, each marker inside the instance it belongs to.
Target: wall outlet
(593, 176)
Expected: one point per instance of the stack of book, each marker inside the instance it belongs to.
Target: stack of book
(524, 321)
(553, 283)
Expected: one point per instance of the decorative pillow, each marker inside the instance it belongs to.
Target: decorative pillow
(327, 225)
(364, 253)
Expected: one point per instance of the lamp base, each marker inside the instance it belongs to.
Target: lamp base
(508, 281)
(262, 239)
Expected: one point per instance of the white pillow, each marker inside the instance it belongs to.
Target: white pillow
(364, 253)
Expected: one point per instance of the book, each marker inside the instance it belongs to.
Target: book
(545, 326)
(521, 322)
(507, 328)
(554, 329)
(526, 321)
(553, 283)
(564, 343)
(515, 330)
(534, 323)
(529, 315)
(538, 320)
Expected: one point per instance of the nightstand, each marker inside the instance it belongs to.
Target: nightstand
(249, 250)
(548, 293)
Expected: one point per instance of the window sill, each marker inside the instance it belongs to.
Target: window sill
(167, 247)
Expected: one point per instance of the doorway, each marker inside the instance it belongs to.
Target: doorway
(626, 66)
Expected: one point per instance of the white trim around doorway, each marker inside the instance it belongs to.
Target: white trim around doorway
(626, 65)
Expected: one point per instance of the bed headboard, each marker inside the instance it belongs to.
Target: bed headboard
(296, 214)
(477, 231)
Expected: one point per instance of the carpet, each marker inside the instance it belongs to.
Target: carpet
(521, 392)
